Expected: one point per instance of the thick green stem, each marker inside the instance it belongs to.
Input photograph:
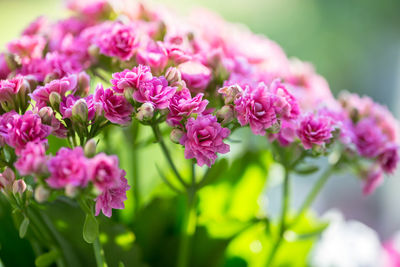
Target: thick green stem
(312, 195)
(282, 223)
(99, 253)
(160, 140)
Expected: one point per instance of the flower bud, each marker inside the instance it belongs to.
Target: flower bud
(46, 114)
(71, 191)
(94, 51)
(226, 114)
(230, 92)
(128, 93)
(83, 84)
(173, 75)
(55, 100)
(80, 110)
(145, 112)
(50, 77)
(176, 135)
(90, 148)
(7, 178)
(41, 194)
(19, 186)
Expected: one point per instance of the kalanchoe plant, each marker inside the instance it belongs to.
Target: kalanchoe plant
(197, 81)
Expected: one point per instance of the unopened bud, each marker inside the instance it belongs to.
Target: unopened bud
(90, 148)
(176, 135)
(71, 191)
(10, 61)
(173, 75)
(94, 51)
(230, 92)
(80, 110)
(46, 114)
(128, 93)
(41, 194)
(145, 112)
(55, 100)
(83, 84)
(50, 77)
(19, 187)
(226, 114)
(7, 178)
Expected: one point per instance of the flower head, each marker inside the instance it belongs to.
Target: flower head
(315, 129)
(104, 172)
(204, 138)
(32, 159)
(156, 92)
(131, 78)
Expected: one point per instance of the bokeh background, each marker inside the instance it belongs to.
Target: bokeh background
(355, 44)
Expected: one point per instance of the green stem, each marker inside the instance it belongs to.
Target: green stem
(189, 228)
(312, 195)
(160, 140)
(282, 224)
(99, 253)
(135, 165)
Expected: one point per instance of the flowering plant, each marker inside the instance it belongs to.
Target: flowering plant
(115, 78)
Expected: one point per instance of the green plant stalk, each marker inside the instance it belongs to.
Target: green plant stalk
(99, 253)
(282, 223)
(189, 229)
(312, 195)
(135, 166)
(160, 140)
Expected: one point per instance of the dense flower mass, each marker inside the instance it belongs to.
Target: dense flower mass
(203, 77)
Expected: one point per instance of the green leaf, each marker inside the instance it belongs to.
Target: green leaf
(23, 227)
(121, 264)
(90, 229)
(47, 259)
(306, 169)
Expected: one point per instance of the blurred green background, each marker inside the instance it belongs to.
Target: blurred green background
(355, 44)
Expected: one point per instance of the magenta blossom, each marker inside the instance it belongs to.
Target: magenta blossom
(196, 75)
(315, 130)
(204, 139)
(389, 158)
(32, 159)
(289, 107)
(113, 198)
(69, 102)
(28, 47)
(22, 129)
(4, 67)
(68, 167)
(35, 26)
(369, 138)
(156, 92)
(9, 90)
(131, 78)
(373, 179)
(287, 133)
(104, 172)
(62, 86)
(183, 105)
(256, 107)
(154, 55)
(115, 106)
(118, 41)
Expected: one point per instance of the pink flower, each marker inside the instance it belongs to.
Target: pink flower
(118, 41)
(314, 130)
(373, 179)
(392, 252)
(287, 133)
(112, 198)
(131, 78)
(288, 106)
(4, 67)
(68, 103)
(68, 167)
(369, 138)
(9, 90)
(156, 92)
(196, 75)
(48, 117)
(115, 106)
(104, 172)
(256, 107)
(32, 159)
(389, 158)
(204, 139)
(62, 86)
(22, 129)
(35, 26)
(27, 47)
(183, 105)
(154, 55)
